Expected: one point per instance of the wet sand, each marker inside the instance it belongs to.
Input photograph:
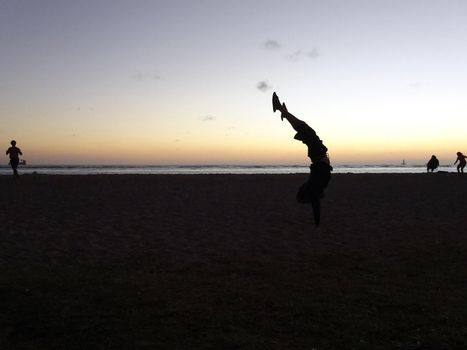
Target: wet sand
(232, 262)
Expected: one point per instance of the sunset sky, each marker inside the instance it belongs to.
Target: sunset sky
(190, 82)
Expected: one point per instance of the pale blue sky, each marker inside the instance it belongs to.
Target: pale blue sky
(189, 82)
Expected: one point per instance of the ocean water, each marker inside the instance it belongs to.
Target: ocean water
(211, 169)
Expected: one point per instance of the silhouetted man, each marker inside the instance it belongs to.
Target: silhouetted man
(320, 169)
(14, 153)
(432, 164)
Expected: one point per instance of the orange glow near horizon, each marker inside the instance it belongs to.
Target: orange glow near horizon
(261, 139)
(246, 152)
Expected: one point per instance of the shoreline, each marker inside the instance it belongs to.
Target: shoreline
(214, 169)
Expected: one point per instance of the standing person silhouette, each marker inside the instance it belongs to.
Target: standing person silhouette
(14, 153)
(320, 169)
(461, 159)
(432, 164)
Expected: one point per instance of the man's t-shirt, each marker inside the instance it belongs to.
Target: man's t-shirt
(316, 149)
(14, 152)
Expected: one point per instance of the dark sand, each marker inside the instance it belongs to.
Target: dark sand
(232, 262)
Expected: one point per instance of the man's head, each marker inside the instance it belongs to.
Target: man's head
(13, 142)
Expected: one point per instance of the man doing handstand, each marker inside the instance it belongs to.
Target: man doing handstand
(320, 169)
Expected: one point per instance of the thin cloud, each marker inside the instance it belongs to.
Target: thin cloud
(207, 118)
(272, 45)
(84, 109)
(314, 53)
(299, 54)
(296, 55)
(140, 76)
(263, 86)
(415, 85)
(229, 130)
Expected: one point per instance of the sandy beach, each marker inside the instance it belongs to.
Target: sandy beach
(232, 262)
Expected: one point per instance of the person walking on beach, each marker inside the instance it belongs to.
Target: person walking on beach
(14, 153)
(433, 164)
(312, 191)
(461, 159)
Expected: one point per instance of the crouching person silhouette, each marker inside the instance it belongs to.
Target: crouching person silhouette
(462, 163)
(311, 191)
(432, 164)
